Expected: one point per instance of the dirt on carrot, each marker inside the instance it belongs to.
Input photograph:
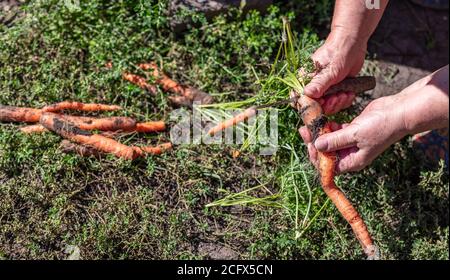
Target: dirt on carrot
(68, 130)
(19, 114)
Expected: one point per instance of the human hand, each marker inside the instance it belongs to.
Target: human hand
(341, 56)
(360, 142)
(420, 107)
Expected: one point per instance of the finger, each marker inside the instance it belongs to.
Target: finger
(341, 103)
(354, 160)
(338, 140)
(313, 156)
(330, 104)
(322, 81)
(305, 134)
(335, 126)
(337, 102)
(350, 98)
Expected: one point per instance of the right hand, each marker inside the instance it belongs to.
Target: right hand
(340, 57)
(366, 137)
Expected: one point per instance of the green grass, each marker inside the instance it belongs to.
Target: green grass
(156, 208)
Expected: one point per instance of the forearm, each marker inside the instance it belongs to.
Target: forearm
(354, 19)
(427, 107)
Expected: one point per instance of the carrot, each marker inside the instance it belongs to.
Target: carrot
(313, 117)
(103, 124)
(180, 101)
(67, 105)
(19, 114)
(32, 115)
(143, 151)
(68, 147)
(88, 123)
(168, 84)
(113, 124)
(140, 82)
(68, 130)
(35, 128)
(355, 85)
(150, 127)
(250, 112)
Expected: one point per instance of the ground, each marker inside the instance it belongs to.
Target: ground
(61, 206)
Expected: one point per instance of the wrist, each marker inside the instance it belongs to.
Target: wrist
(346, 37)
(424, 109)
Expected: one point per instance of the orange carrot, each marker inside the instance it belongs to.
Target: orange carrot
(142, 151)
(103, 124)
(68, 130)
(19, 114)
(140, 82)
(35, 128)
(113, 124)
(150, 127)
(313, 117)
(193, 94)
(68, 147)
(250, 112)
(162, 79)
(68, 105)
(88, 123)
(31, 115)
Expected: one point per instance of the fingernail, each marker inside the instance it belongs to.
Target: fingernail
(321, 144)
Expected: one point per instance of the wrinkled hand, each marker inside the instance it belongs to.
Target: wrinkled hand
(341, 56)
(360, 142)
(420, 107)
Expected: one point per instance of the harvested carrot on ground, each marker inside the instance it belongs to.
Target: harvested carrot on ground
(250, 112)
(68, 147)
(140, 82)
(35, 128)
(157, 150)
(88, 123)
(168, 84)
(78, 106)
(150, 127)
(32, 115)
(19, 114)
(103, 124)
(312, 115)
(68, 130)
(113, 124)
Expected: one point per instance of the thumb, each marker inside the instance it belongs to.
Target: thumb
(338, 140)
(322, 81)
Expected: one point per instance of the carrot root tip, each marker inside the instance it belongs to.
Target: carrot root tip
(372, 252)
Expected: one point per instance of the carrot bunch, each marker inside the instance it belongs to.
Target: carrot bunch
(183, 95)
(78, 130)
